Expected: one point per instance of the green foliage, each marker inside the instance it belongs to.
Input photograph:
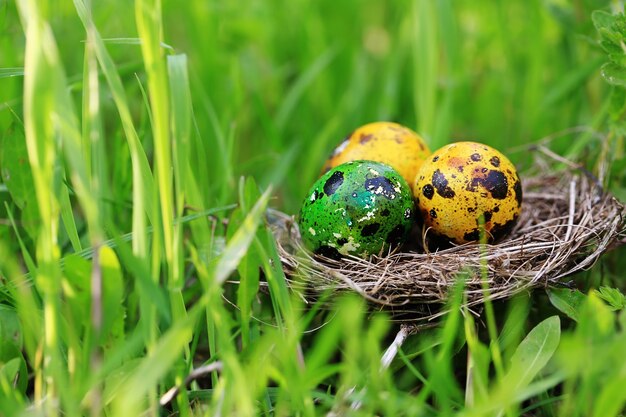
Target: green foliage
(567, 301)
(16, 175)
(612, 30)
(613, 297)
(590, 386)
(142, 145)
(530, 357)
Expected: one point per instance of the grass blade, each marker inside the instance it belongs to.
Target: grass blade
(306, 79)
(237, 246)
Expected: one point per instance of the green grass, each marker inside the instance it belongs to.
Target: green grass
(141, 144)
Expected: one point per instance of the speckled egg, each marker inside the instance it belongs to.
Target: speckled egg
(358, 208)
(462, 185)
(387, 142)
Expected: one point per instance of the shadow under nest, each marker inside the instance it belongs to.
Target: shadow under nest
(567, 222)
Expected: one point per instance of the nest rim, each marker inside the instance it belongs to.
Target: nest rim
(568, 220)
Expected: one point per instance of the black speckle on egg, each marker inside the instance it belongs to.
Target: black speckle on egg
(363, 139)
(436, 158)
(472, 236)
(441, 185)
(495, 182)
(370, 229)
(428, 191)
(499, 230)
(333, 183)
(396, 235)
(328, 252)
(433, 213)
(487, 216)
(495, 161)
(385, 185)
(439, 241)
(476, 157)
(518, 192)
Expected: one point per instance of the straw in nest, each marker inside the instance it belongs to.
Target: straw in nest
(567, 222)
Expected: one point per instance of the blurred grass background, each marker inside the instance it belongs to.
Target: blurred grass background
(283, 82)
(142, 117)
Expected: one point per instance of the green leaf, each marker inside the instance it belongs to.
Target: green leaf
(569, 302)
(67, 214)
(10, 369)
(534, 352)
(275, 276)
(618, 58)
(617, 107)
(143, 279)
(11, 72)
(479, 360)
(530, 357)
(238, 245)
(602, 19)
(77, 273)
(597, 321)
(613, 296)
(612, 398)
(116, 378)
(10, 331)
(16, 173)
(131, 41)
(14, 368)
(159, 361)
(614, 74)
(250, 264)
(248, 270)
(13, 375)
(112, 294)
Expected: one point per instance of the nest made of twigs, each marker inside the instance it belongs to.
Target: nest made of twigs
(567, 222)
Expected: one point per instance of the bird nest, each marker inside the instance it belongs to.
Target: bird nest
(567, 222)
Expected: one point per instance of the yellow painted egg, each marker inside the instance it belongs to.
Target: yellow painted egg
(465, 185)
(386, 142)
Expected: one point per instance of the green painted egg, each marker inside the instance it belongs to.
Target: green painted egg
(359, 208)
